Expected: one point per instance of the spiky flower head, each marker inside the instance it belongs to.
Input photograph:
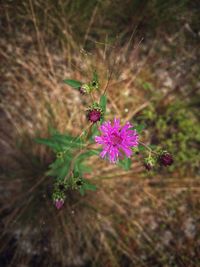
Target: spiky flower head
(117, 140)
(94, 113)
(165, 158)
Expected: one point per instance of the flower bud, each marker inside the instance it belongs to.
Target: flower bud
(84, 89)
(148, 166)
(59, 203)
(166, 158)
(149, 163)
(94, 113)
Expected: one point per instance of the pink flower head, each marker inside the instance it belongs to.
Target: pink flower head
(59, 203)
(116, 139)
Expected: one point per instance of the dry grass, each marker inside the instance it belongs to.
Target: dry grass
(131, 220)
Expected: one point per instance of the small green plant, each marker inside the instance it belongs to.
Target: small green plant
(119, 143)
(176, 128)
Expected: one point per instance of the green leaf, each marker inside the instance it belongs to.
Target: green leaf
(59, 142)
(89, 187)
(141, 147)
(73, 83)
(95, 76)
(139, 128)
(62, 172)
(78, 164)
(147, 86)
(82, 191)
(86, 186)
(125, 163)
(50, 143)
(56, 164)
(87, 154)
(67, 140)
(60, 167)
(103, 101)
(82, 168)
(94, 132)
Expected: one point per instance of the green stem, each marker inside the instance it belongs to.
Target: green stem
(148, 148)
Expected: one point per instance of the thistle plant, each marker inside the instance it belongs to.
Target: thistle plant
(111, 141)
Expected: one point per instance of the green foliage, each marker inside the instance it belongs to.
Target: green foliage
(177, 129)
(95, 77)
(73, 83)
(87, 88)
(75, 182)
(86, 185)
(60, 142)
(95, 80)
(60, 167)
(103, 101)
(147, 86)
(56, 147)
(69, 165)
(125, 163)
(94, 132)
(139, 128)
(94, 83)
(79, 164)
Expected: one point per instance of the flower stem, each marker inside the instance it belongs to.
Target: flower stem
(148, 148)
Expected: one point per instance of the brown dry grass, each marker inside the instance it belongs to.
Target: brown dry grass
(131, 220)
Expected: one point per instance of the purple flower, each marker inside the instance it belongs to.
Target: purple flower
(116, 140)
(166, 159)
(59, 203)
(94, 115)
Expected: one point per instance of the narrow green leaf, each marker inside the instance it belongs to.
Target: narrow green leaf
(95, 76)
(84, 168)
(88, 186)
(64, 170)
(56, 164)
(48, 142)
(103, 101)
(94, 132)
(78, 164)
(87, 154)
(82, 191)
(60, 167)
(127, 164)
(67, 141)
(73, 83)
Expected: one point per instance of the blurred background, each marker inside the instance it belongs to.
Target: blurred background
(136, 218)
